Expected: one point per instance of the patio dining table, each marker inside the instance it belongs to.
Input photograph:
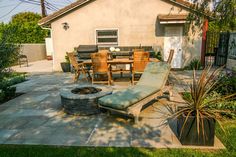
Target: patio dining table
(119, 61)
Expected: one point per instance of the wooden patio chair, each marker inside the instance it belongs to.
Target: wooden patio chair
(141, 59)
(131, 100)
(138, 49)
(170, 58)
(104, 51)
(100, 68)
(79, 67)
(23, 59)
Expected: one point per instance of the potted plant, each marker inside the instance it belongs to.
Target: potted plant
(196, 119)
(65, 66)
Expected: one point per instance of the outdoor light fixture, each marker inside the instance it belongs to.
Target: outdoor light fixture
(65, 25)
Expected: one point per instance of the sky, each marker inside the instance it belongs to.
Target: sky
(8, 8)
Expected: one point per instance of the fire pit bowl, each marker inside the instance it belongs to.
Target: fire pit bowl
(82, 99)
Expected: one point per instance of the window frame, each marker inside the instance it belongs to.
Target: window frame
(105, 44)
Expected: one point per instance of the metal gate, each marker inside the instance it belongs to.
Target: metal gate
(216, 50)
(212, 41)
(222, 50)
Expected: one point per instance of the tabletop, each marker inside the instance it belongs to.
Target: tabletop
(120, 61)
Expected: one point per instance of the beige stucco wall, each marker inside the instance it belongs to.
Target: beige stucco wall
(136, 21)
(34, 52)
(192, 44)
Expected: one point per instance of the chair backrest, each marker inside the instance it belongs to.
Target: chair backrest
(170, 58)
(99, 62)
(141, 59)
(155, 75)
(138, 49)
(106, 52)
(103, 51)
(73, 60)
(22, 56)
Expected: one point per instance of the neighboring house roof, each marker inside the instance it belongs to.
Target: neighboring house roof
(80, 3)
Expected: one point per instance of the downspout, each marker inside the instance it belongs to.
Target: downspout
(47, 28)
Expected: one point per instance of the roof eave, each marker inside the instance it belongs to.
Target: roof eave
(46, 22)
(51, 18)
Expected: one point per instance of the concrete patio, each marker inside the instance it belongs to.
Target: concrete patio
(42, 66)
(37, 118)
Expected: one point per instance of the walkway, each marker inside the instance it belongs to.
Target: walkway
(43, 66)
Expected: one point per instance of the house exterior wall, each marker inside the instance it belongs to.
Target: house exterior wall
(136, 21)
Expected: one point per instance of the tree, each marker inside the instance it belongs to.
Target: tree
(24, 28)
(8, 53)
(220, 13)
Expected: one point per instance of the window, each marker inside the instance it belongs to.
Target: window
(107, 37)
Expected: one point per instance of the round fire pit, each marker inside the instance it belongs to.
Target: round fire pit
(82, 99)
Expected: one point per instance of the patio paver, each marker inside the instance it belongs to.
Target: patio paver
(36, 117)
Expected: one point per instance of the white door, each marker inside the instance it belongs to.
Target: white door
(173, 40)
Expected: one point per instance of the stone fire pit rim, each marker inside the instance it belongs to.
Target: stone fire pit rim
(66, 92)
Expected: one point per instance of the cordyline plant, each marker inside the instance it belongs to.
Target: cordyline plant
(199, 104)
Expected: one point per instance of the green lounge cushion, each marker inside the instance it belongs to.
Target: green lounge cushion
(152, 80)
(123, 99)
(155, 75)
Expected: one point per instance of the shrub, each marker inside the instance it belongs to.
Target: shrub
(229, 106)
(195, 64)
(8, 53)
(159, 56)
(186, 96)
(2, 96)
(224, 87)
(67, 59)
(15, 78)
(7, 92)
(226, 84)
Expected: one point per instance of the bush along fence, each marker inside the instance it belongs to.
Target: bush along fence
(7, 90)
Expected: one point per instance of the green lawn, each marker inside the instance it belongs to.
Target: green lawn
(228, 138)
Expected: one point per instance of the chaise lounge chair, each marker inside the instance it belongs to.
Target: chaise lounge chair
(151, 85)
